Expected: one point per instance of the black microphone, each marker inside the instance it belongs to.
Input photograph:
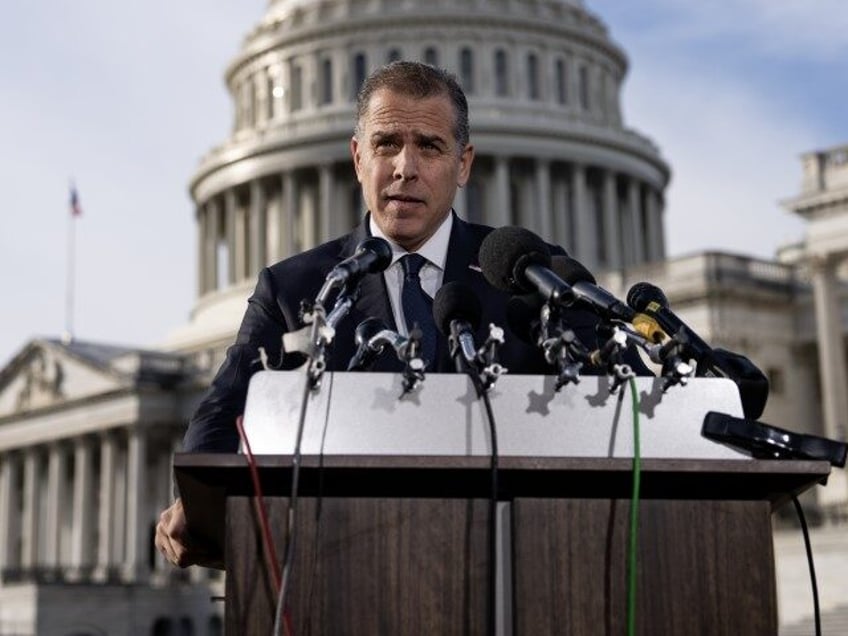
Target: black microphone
(366, 353)
(371, 256)
(585, 288)
(457, 312)
(516, 260)
(650, 299)
(753, 384)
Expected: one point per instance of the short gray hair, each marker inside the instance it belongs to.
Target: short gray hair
(414, 79)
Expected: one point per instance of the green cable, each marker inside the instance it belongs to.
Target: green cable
(634, 516)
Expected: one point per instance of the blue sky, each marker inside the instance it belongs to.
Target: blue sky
(125, 97)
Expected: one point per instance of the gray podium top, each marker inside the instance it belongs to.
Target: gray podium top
(363, 414)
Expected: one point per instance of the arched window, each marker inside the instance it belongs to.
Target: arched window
(501, 74)
(431, 56)
(584, 87)
(162, 627)
(561, 79)
(359, 70)
(533, 90)
(326, 96)
(394, 55)
(296, 75)
(466, 70)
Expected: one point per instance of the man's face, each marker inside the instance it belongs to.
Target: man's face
(409, 164)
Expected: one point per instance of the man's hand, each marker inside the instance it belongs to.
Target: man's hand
(173, 540)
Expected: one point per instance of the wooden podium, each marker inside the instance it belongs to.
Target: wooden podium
(397, 543)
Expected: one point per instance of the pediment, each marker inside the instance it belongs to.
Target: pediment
(46, 374)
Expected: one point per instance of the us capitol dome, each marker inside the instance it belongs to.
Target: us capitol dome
(543, 79)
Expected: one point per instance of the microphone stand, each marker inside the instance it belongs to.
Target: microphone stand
(312, 339)
(560, 346)
(610, 356)
(675, 370)
(484, 370)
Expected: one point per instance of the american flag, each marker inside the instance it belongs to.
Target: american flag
(76, 210)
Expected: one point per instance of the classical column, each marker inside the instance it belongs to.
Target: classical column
(655, 223)
(258, 204)
(584, 227)
(212, 212)
(501, 208)
(201, 218)
(106, 507)
(544, 214)
(832, 367)
(612, 225)
(56, 469)
(84, 496)
(29, 523)
(165, 491)
(9, 519)
(240, 239)
(137, 526)
(288, 216)
(327, 216)
(231, 236)
(635, 205)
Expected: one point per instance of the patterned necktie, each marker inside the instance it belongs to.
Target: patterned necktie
(418, 306)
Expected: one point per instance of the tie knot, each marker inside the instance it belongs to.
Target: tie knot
(412, 264)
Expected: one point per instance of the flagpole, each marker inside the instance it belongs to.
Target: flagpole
(68, 334)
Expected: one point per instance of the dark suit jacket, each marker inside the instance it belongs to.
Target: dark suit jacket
(274, 307)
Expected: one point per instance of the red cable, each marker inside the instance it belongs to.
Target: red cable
(259, 503)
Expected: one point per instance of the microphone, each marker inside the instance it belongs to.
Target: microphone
(585, 288)
(457, 312)
(516, 260)
(371, 256)
(650, 300)
(752, 383)
(366, 352)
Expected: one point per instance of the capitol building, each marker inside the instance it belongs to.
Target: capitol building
(87, 430)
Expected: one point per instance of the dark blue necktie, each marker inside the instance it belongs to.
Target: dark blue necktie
(418, 306)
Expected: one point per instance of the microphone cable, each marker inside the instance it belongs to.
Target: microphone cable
(272, 561)
(493, 507)
(634, 515)
(291, 535)
(806, 534)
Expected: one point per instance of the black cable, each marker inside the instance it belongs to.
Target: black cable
(292, 510)
(806, 533)
(493, 509)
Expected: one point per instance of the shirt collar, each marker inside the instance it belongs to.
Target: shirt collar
(435, 249)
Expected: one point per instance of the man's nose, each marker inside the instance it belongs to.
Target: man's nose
(406, 164)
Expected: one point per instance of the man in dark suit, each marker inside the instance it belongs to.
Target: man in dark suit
(411, 152)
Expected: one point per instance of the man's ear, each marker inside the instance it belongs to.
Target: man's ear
(465, 161)
(354, 153)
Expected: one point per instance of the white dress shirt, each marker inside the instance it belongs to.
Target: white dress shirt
(435, 250)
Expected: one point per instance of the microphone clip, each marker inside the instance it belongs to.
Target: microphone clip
(610, 356)
(312, 340)
(487, 355)
(561, 347)
(413, 365)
